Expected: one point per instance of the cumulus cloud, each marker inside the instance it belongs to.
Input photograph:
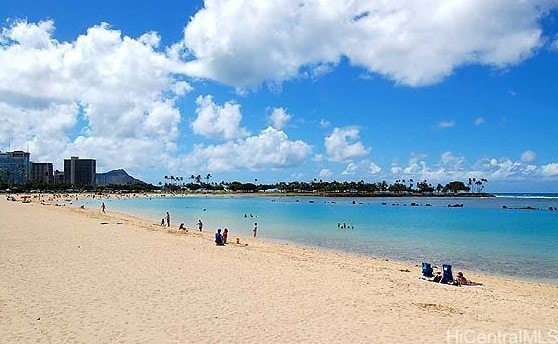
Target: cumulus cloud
(122, 89)
(550, 170)
(343, 145)
(365, 167)
(528, 156)
(450, 161)
(479, 121)
(218, 121)
(245, 43)
(270, 149)
(279, 118)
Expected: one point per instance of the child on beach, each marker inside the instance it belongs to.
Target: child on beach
(255, 229)
(225, 234)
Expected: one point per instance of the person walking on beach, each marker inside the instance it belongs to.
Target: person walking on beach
(255, 230)
(103, 207)
(168, 219)
(200, 225)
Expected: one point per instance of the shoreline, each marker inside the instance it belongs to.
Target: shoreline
(71, 274)
(71, 199)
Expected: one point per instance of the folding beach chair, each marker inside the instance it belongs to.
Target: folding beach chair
(447, 276)
(427, 270)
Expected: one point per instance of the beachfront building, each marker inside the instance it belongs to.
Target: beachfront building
(79, 172)
(58, 177)
(42, 172)
(14, 168)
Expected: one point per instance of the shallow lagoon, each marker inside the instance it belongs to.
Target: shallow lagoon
(480, 236)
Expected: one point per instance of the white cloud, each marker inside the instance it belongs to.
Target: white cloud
(325, 173)
(324, 123)
(245, 43)
(221, 121)
(270, 149)
(502, 169)
(350, 169)
(279, 118)
(343, 144)
(122, 89)
(446, 124)
(452, 162)
(528, 156)
(550, 170)
(365, 167)
(479, 121)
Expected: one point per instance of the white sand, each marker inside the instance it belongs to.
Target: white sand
(65, 277)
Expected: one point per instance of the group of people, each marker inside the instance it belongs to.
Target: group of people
(221, 238)
(445, 276)
(167, 219)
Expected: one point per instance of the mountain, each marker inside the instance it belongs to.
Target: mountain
(116, 177)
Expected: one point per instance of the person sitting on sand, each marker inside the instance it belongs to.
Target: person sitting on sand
(218, 238)
(182, 227)
(461, 280)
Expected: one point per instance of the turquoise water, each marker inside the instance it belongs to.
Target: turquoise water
(480, 236)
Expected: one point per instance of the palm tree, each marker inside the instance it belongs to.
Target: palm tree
(207, 178)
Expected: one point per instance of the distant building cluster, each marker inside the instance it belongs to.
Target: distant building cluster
(17, 169)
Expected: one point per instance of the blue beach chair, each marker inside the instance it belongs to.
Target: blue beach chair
(447, 276)
(427, 270)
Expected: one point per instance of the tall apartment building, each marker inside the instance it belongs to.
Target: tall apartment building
(42, 172)
(58, 177)
(79, 172)
(14, 167)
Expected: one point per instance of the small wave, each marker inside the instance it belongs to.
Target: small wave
(528, 196)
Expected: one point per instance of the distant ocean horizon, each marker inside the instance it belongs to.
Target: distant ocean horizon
(512, 234)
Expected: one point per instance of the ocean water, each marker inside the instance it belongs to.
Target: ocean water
(520, 241)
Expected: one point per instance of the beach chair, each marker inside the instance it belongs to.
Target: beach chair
(447, 276)
(427, 270)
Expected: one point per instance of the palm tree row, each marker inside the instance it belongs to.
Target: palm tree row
(400, 186)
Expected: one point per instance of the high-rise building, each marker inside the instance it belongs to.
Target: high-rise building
(14, 167)
(58, 177)
(79, 172)
(42, 172)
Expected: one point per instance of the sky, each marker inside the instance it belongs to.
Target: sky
(436, 90)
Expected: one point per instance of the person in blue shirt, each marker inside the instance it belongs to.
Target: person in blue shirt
(219, 238)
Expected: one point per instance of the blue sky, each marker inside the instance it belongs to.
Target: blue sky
(372, 90)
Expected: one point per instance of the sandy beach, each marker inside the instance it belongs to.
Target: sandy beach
(70, 275)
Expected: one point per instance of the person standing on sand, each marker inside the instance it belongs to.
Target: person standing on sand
(103, 207)
(225, 235)
(200, 225)
(168, 219)
(255, 229)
